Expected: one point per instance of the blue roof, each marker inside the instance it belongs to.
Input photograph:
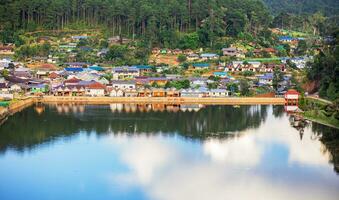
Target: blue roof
(79, 37)
(96, 68)
(208, 55)
(201, 65)
(74, 69)
(266, 76)
(285, 38)
(220, 73)
(143, 67)
(38, 86)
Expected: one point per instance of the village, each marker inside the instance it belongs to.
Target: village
(64, 71)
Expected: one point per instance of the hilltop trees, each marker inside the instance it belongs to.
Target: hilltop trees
(325, 71)
(184, 23)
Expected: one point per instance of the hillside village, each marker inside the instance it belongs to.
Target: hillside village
(78, 65)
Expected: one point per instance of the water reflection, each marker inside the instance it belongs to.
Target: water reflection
(145, 151)
(66, 119)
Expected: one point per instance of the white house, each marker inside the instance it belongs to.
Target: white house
(121, 84)
(218, 93)
(116, 93)
(209, 56)
(95, 90)
(266, 79)
(15, 88)
(121, 73)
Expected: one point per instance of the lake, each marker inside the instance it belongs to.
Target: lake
(165, 152)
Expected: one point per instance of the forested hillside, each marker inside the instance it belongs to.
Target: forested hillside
(160, 20)
(328, 7)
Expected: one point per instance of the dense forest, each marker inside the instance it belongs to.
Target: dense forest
(328, 7)
(325, 70)
(162, 21)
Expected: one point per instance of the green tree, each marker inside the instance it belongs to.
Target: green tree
(278, 76)
(182, 58)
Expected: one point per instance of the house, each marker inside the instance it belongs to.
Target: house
(103, 80)
(198, 82)
(155, 50)
(15, 88)
(96, 68)
(39, 88)
(172, 92)
(72, 81)
(160, 81)
(177, 51)
(73, 70)
(286, 39)
(238, 66)
(192, 57)
(131, 93)
(4, 88)
(300, 62)
(220, 74)
(71, 90)
(7, 50)
(125, 72)
(41, 74)
(266, 79)
(269, 67)
(123, 84)
(209, 56)
(103, 52)
(232, 51)
(218, 93)
(144, 69)
(76, 64)
(144, 92)
(191, 93)
(199, 66)
(4, 63)
(188, 52)
(53, 75)
(291, 100)
(95, 89)
(158, 92)
(79, 37)
(116, 93)
(22, 74)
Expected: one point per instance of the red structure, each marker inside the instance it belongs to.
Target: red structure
(291, 100)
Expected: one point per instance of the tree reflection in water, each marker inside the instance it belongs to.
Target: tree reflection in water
(39, 123)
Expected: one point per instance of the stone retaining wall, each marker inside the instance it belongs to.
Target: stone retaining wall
(166, 100)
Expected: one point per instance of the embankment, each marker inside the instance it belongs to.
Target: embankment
(14, 107)
(165, 100)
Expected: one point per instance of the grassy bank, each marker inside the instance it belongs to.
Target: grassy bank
(320, 111)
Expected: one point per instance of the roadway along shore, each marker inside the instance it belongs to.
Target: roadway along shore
(165, 100)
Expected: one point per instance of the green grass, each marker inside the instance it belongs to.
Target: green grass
(318, 116)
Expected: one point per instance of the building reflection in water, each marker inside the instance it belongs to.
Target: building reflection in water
(132, 108)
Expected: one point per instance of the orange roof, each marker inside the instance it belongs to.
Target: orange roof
(53, 75)
(47, 66)
(96, 85)
(292, 91)
(72, 80)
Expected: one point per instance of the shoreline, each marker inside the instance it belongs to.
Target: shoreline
(165, 100)
(15, 107)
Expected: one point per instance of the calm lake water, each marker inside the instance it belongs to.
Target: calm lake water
(165, 153)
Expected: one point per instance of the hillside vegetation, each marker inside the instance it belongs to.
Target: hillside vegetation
(328, 7)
